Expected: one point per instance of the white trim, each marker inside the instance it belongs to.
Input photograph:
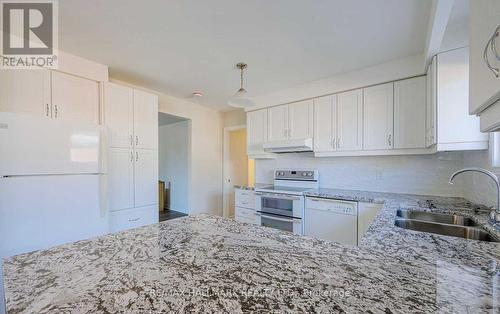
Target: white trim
(226, 186)
(439, 17)
(418, 151)
(482, 145)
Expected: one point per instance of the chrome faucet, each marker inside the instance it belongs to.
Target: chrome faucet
(495, 213)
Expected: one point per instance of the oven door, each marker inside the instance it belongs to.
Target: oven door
(288, 224)
(279, 204)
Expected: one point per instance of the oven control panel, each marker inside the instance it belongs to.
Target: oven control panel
(302, 175)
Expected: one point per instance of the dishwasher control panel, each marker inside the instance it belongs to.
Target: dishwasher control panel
(331, 205)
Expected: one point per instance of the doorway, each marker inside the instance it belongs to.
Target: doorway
(173, 158)
(238, 169)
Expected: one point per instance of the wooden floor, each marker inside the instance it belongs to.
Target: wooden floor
(170, 214)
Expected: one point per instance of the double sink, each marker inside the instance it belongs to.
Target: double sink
(444, 224)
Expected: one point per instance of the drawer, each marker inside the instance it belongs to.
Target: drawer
(244, 215)
(132, 218)
(244, 198)
(332, 205)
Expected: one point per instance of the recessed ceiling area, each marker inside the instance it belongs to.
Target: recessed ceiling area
(178, 46)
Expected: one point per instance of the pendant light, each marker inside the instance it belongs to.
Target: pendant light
(240, 98)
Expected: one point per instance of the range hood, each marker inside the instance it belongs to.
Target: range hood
(289, 146)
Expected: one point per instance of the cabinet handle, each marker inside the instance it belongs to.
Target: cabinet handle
(389, 140)
(47, 110)
(55, 108)
(338, 143)
(136, 156)
(334, 142)
(131, 157)
(131, 140)
(136, 140)
(134, 219)
(491, 44)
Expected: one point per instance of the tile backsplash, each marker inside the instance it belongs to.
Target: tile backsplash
(423, 174)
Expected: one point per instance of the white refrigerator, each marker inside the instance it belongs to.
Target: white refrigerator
(52, 183)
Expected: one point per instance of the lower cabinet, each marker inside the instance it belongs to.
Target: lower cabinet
(245, 215)
(132, 218)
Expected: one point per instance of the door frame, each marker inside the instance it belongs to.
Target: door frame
(226, 186)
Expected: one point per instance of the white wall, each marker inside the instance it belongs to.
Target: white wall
(205, 178)
(234, 117)
(385, 72)
(426, 174)
(174, 163)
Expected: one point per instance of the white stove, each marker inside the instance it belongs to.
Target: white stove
(281, 206)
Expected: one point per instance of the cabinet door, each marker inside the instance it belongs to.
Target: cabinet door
(378, 117)
(324, 123)
(409, 113)
(119, 115)
(121, 178)
(146, 177)
(145, 120)
(300, 120)
(278, 123)
(75, 98)
(25, 91)
(350, 121)
(256, 131)
(455, 125)
(431, 104)
(484, 86)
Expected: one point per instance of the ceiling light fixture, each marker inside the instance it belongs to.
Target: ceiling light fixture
(197, 94)
(241, 99)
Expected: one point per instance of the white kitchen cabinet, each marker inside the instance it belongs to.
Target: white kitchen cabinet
(74, 98)
(245, 215)
(256, 132)
(300, 120)
(131, 116)
(119, 114)
(120, 178)
(378, 120)
(338, 122)
(324, 123)
(457, 130)
(431, 104)
(410, 113)
(25, 91)
(145, 111)
(350, 121)
(133, 218)
(278, 123)
(484, 85)
(145, 177)
(366, 214)
(244, 198)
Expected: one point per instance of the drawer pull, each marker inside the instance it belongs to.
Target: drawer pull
(134, 219)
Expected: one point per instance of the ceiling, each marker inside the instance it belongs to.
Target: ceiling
(166, 119)
(178, 46)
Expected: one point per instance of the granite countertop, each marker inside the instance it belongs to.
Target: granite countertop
(205, 263)
(251, 187)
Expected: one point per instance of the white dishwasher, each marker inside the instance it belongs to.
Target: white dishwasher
(332, 220)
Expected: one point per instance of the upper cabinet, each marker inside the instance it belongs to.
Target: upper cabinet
(49, 94)
(131, 117)
(339, 122)
(145, 111)
(278, 123)
(25, 91)
(378, 120)
(484, 79)
(300, 120)
(456, 129)
(410, 113)
(256, 131)
(75, 98)
(292, 121)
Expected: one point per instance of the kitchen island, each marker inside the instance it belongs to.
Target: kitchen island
(205, 263)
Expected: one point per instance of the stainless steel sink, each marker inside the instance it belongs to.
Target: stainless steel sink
(435, 217)
(472, 233)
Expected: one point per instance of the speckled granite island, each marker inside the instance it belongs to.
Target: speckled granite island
(210, 264)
